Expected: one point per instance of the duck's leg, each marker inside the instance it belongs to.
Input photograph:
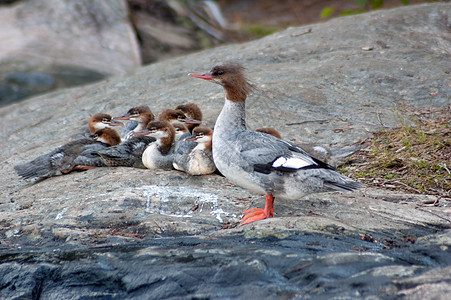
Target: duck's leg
(78, 168)
(255, 214)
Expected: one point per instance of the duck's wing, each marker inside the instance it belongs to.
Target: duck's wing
(53, 163)
(126, 154)
(266, 154)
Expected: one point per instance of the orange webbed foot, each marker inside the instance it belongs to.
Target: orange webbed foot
(252, 215)
(256, 214)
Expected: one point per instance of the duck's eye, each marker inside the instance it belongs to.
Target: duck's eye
(220, 72)
(200, 135)
(104, 120)
(180, 118)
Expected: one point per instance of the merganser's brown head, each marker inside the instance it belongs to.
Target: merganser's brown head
(100, 121)
(158, 129)
(231, 77)
(176, 116)
(180, 129)
(202, 135)
(191, 110)
(108, 136)
(161, 130)
(140, 114)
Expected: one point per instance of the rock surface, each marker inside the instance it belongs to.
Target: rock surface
(48, 44)
(121, 232)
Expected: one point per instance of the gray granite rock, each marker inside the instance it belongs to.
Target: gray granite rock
(122, 232)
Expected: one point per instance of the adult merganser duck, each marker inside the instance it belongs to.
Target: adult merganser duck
(75, 155)
(192, 112)
(159, 154)
(138, 118)
(260, 162)
(100, 121)
(198, 161)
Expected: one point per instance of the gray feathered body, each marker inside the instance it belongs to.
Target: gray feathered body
(266, 165)
(61, 159)
(193, 158)
(127, 154)
(182, 148)
(128, 127)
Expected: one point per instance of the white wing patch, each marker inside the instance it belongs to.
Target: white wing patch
(290, 162)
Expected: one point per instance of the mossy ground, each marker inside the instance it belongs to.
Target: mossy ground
(415, 157)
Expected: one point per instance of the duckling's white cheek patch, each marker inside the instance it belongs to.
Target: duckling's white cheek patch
(203, 139)
(160, 134)
(290, 162)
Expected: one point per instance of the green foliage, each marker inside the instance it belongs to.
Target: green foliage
(375, 4)
(327, 11)
(363, 5)
(349, 12)
(259, 30)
